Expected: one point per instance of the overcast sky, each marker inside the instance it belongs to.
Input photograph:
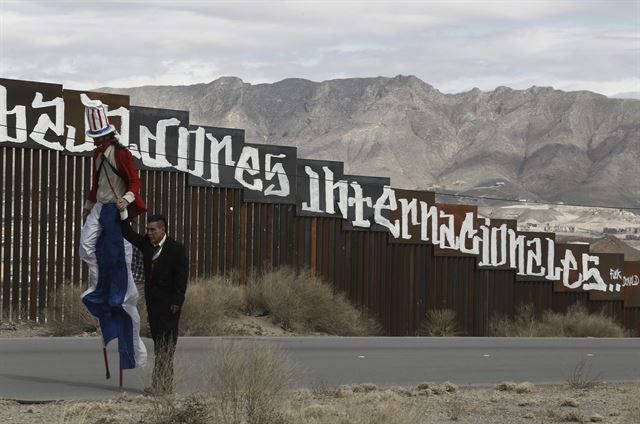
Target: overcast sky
(453, 45)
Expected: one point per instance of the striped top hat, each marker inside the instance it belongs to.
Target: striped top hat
(96, 114)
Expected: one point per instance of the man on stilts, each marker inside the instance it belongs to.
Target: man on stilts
(112, 295)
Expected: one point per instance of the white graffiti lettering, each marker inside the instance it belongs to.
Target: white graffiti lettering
(496, 246)
(272, 171)
(314, 191)
(343, 192)
(615, 274)
(387, 201)
(569, 264)
(409, 210)
(630, 280)
(429, 215)
(183, 151)
(358, 201)
(489, 238)
(44, 122)
(249, 162)
(20, 113)
(468, 232)
(214, 156)
(160, 137)
(590, 273)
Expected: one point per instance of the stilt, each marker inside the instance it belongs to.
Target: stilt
(106, 362)
(121, 377)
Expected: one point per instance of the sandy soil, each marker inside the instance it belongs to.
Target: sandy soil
(22, 329)
(427, 403)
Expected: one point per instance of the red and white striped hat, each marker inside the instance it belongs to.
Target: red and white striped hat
(96, 114)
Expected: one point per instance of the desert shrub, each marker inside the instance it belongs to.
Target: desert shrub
(440, 323)
(249, 381)
(523, 324)
(207, 303)
(303, 303)
(580, 377)
(577, 322)
(67, 315)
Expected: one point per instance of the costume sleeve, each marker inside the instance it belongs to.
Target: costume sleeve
(180, 276)
(124, 162)
(131, 236)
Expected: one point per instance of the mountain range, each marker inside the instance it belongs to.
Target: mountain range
(537, 144)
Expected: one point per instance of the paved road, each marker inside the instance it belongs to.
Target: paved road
(72, 368)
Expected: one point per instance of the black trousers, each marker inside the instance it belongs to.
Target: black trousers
(164, 332)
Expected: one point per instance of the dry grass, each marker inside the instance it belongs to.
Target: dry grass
(580, 377)
(385, 412)
(609, 403)
(145, 331)
(577, 322)
(208, 303)
(523, 324)
(634, 411)
(246, 382)
(69, 316)
(573, 417)
(440, 323)
(76, 414)
(164, 406)
(297, 302)
(456, 409)
(303, 303)
(357, 408)
(250, 381)
(193, 409)
(164, 373)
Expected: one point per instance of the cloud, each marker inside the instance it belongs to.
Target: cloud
(452, 45)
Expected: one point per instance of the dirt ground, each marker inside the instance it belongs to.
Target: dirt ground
(244, 325)
(427, 403)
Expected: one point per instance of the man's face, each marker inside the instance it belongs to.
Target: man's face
(155, 231)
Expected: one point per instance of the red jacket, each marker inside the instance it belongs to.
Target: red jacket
(126, 168)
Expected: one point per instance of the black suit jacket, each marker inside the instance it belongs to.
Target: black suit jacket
(168, 283)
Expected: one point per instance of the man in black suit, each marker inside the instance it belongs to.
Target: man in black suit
(165, 282)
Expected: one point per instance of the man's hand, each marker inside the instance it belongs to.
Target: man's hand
(122, 204)
(174, 308)
(85, 214)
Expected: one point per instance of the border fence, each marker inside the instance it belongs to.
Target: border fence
(413, 256)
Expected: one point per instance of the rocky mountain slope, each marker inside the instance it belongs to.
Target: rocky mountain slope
(539, 143)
